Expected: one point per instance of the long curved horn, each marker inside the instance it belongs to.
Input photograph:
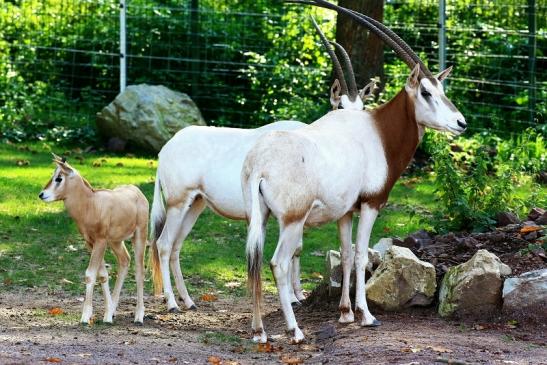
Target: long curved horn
(400, 47)
(332, 55)
(351, 75)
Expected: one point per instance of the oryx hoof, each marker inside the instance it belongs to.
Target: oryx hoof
(174, 310)
(138, 323)
(193, 307)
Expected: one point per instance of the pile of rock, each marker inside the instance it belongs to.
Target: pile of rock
(471, 280)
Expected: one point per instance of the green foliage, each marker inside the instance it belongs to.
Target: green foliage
(480, 176)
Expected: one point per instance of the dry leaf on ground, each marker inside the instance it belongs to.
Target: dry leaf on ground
(209, 297)
(53, 359)
(55, 311)
(528, 229)
(214, 360)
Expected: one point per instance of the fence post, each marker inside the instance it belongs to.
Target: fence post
(442, 35)
(123, 70)
(532, 44)
(194, 30)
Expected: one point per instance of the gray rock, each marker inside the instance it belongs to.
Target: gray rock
(334, 271)
(535, 213)
(402, 280)
(474, 287)
(506, 218)
(383, 245)
(526, 295)
(148, 116)
(542, 219)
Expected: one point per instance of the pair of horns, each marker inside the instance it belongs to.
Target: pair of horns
(401, 48)
(352, 91)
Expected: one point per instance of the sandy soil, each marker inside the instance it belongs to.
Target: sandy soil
(31, 335)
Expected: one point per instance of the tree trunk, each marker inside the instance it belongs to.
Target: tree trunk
(365, 49)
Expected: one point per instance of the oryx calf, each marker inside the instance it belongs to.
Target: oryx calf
(104, 217)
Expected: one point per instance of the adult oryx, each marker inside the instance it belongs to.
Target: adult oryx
(345, 162)
(201, 166)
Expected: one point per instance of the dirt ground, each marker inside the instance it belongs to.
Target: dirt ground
(29, 334)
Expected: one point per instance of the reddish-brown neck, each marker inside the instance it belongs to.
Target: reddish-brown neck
(396, 124)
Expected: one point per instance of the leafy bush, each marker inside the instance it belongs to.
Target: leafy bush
(474, 184)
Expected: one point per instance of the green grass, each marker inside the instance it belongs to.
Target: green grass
(41, 247)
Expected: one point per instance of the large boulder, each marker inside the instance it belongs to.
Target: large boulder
(402, 280)
(525, 296)
(474, 287)
(148, 116)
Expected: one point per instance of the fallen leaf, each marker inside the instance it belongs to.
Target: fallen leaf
(268, 347)
(317, 253)
(66, 281)
(53, 359)
(528, 229)
(291, 360)
(478, 327)
(208, 298)
(386, 229)
(214, 360)
(55, 311)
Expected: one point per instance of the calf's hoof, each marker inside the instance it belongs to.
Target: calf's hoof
(259, 336)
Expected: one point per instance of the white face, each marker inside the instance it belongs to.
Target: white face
(351, 105)
(55, 187)
(432, 107)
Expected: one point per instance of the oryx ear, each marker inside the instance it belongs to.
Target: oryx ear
(335, 94)
(413, 78)
(368, 90)
(444, 74)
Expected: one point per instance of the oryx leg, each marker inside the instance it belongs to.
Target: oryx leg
(297, 295)
(366, 221)
(344, 232)
(108, 302)
(171, 231)
(198, 205)
(290, 239)
(123, 258)
(97, 256)
(139, 246)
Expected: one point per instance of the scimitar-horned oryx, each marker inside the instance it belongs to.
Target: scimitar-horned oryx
(345, 162)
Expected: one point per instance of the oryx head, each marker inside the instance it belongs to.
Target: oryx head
(432, 108)
(59, 182)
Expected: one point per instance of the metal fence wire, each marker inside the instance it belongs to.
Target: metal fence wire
(234, 63)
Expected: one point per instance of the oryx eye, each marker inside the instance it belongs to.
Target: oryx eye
(58, 179)
(426, 94)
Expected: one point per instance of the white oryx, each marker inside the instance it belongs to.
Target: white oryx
(201, 166)
(104, 218)
(344, 163)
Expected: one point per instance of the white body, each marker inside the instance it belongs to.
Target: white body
(198, 167)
